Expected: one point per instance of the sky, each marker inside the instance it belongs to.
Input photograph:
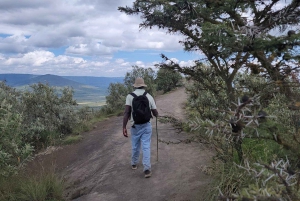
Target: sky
(80, 38)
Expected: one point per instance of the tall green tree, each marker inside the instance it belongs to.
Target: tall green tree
(116, 97)
(117, 92)
(47, 110)
(13, 149)
(233, 35)
(255, 37)
(168, 79)
(148, 74)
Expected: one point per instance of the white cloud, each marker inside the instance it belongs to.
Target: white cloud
(83, 28)
(140, 63)
(119, 61)
(100, 64)
(125, 64)
(14, 44)
(89, 49)
(187, 63)
(60, 23)
(36, 58)
(45, 62)
(78, 37)
(174, 60)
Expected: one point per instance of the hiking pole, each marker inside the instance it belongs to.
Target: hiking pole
(156, 141)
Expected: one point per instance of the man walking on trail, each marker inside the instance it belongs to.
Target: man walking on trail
(138, 108)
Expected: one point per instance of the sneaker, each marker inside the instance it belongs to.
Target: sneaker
(147, 173)
(134, 167)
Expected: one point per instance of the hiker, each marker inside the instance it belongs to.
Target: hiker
(141, 129)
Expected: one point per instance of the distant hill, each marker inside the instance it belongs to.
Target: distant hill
(52, 80)
(13, 79)
(102, 82)
(85, 88)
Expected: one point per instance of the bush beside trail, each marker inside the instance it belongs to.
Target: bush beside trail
(165, 80)
(256, 138)
(32, 120)
(44, 116)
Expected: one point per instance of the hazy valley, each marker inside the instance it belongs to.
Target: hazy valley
(89, 91)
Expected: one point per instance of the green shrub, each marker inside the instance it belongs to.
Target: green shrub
(48, 187)
(117, 92)
(116, 97)
(47, 111)
(250, 135)
(32, 120)
(148, 74)
(227, 178)
(44, 187)
(13, 150)
(167, 80)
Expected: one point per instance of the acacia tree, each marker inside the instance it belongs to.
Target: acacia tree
(233, 35)
(250, 36)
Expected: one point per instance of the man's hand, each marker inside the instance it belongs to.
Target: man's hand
(125, 132)
(127, 114)
(154, 112)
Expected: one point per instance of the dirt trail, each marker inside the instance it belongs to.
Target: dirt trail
(98, 168)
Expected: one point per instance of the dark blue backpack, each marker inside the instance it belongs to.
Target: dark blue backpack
(141, 112)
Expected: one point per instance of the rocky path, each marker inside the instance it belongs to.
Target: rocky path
(98, 168)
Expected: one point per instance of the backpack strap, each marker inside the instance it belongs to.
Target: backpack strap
(133, 94)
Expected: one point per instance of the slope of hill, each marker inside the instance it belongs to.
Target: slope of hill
(13, 79)
(52, 80)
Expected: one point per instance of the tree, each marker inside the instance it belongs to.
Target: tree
(167, 79)
(13, 149)
(148, 74)
(117, 92)
(230, 41)
(116, 97)
(233, 35)
(47, 111)
(253, 37)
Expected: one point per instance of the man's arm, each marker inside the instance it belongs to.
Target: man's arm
(153, 107)
(127, 114)
(154, 112)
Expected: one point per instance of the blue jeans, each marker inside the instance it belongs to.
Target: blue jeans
(141, 136)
